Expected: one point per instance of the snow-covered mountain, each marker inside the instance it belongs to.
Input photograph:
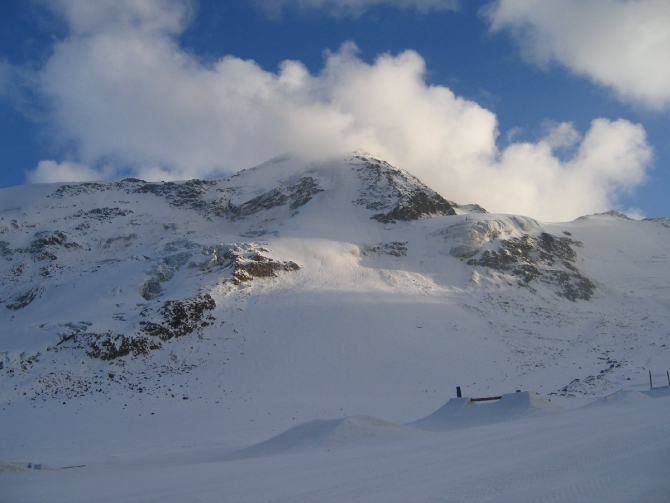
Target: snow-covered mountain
(299, 291)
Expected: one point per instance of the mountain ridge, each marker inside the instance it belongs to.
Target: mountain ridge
(139, 277)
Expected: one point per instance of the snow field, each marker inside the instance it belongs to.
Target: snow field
(614, 453)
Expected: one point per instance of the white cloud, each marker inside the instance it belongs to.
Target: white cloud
(130, 99)
(561, 135)
(611, 160)
(51, 172)
(92, 17)
(621, 44)
(356, 7)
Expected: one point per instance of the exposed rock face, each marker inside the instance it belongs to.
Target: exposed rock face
(180, 318)
(76, 189)
(259, 266)
(517, 246)
(181, 195)
(294, 196)
(545, 258)
(394, 248)
(176, 318)
(110, 346)
(6, 251)
(102, 214)
(397, 194)
(417, 205)
(665, 222)
(22, 300)
(246, 260)
(45, 244)
(211, 198)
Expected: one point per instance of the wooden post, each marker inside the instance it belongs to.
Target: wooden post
(458, 392)
(651, 386)
(668, 372)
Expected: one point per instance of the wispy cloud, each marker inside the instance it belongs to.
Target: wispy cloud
(5, 78)
(621, 44)
(355, 8)
(130, 101)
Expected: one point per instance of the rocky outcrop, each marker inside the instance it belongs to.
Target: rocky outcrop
(519, 248)
(293, 196)
(545, 258)
(394, 248)
(178, 318)
(174, 319)
(396, 194)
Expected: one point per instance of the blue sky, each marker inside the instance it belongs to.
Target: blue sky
(549, 108)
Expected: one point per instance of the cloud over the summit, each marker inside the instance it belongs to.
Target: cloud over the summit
(621, 44)
(132, 102)
(356, 7)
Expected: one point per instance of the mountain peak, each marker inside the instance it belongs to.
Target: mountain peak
(395, 193)
(134, 277)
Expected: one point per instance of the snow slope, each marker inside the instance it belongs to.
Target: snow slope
(150, 330)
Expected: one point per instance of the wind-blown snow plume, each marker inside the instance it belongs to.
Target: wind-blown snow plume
(621, 44)
(131, 101)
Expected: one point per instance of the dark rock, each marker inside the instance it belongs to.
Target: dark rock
(77, 189)
(180, 317)
(417, 205)
(24, 299)
(295, 196)
(110, 346)
(394, 248)
(260, 267)
(532, 258)
(246, 261)
(397, 194)
(45, 243)
(102, 214)
(189, 195)
(6, 251)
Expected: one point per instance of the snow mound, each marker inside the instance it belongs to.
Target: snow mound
(625, 397)
(621, 396)
(464, 412)
(327, 433)
(657, 392)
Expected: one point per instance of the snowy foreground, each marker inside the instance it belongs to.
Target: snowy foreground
(610, 452)
(296, 333)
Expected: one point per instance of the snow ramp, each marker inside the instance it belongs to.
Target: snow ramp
(326, 433)
(621, 396)
(25, 466)
(465, 412)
